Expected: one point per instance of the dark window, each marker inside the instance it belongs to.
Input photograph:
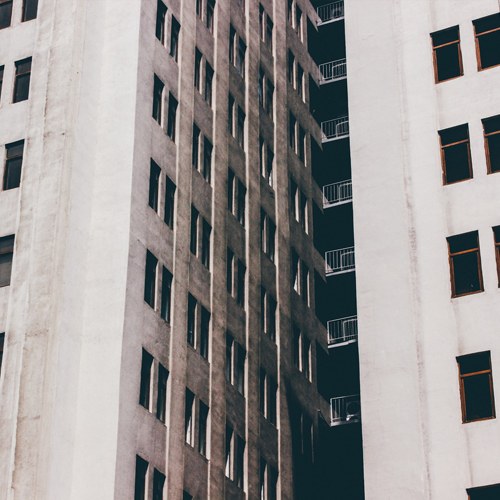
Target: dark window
(2, 341)
(158, 483)
(161, 15)
(229, 275)
(298, 21)
(166, 294)
(161, 401)
(197, 69)
(269, 33)
(174, 39)
(194, 231)
(188, 418)
(465, 264)
(304, 289)
(229, 452)
(307, 437)
(291, 66)
(191, 320)
(447, 54)
(241, 128)
(242, 48)
(262, 17)
(263, 311)
(230, 117)
(157, 99)
(485, 493)
(229, 358)
(261, 86)
(269, 166)
(269, 97)
(150, 281)
(455, 154)
(306, 357)
(272, 238)
(272, 318)
(491, 128)
(210, 15)
(5, 13)
(295, 271)
(13, 165)
(262, 392)
(141, 470)
(1, 79)
(232, 38)
(205, 244)
(209, 76)
(240, 369)
(204, 332)
(272, 484)
(300, 81)
(293, 123)
(202, 429)
(240, 462)
(230, 190)
(172, 117)
(6, 254)
(297, 347)
(496, 234)
(198, 8)
(290, 10)
(207, 160)
(302, 144)
(185, 494)
(30, 8)
(487, 32)
(242, 191)
(476, 387)
(196, 147)
(22, 83)
(145, 388)
(240, 289)
(169, 203)
(272, 389)
(268, 235)
(154, 185)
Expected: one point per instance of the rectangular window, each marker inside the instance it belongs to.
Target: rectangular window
(465, 264)
(230, 190)
(272, 238)
(240, 290)
(229, 452)
(207, 160)
(447, 54)
(269, 98)
(241, 128)
(297, 347)
(240, 462)
(293, 123)
(262, 476)
(158, 99)
(204, 332)
(272, 318)
(2, 341)
(269, 166)
(242, 48)
(169, 203)
(166, 294)
(195, 155)
(209, 76)
(150, 280)
(141, 471)
(154, 185)
(202, 429)
(496, 234)
(476, 387)
(161, 16)
(295, 200)
(158, 484)
(261, 22)
(263, 309)
(269, 33)
(240, 369)
(13, 165)
(298, 21)
(230, 267)
(230, 115)
(229, 358)
(303, 212)
(242, 191)
(174, 39)
(194, 231)
(189, 417)
(300, 81)
(205, 244)
(273, 484)
(210, 15)
(306, 357)
(30, 8)
(6, 254)
(145, 387)
(268, 235)
(5, 13)
(455, 154)
(232, 42)
(261, 156)
(487, 31)
(161, 401)
(291, 68)
(295, 271)
(304, 288)
(22, 82)
(272, 389)
(1, 79)
(302, 144)
(485, 492)
(491, 128)
(198, 8)
(191, 320)
(197, 70)
(262, 392)
(172, 117)
(290, 10)
(261, 86)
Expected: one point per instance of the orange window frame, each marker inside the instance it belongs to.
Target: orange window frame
(452, 269)
(434, 58)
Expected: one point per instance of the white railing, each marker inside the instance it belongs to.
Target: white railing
(335, 129)
(342, 330)
(335, 194)
(334, 70)
(330, 12)
(339, 261)
(345, 410)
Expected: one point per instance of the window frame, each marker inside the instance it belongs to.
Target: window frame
(154, 185)
(18, 76)
(496, 240)
(8, 3)
(443, 156)
(434, 55)
(175, 34)
(158, 89)
(189, 417)
(169, 215)
(172, 117)
(146, 385)
(141, 478)
(161, 398)
(487, 144)
(8, 183)
(161, 22)
(476, 41)
(192, 310)
(166, 294)
(150, 279)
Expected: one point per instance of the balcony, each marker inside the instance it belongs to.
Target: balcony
(342, 331)
(329, 13)
(332, 71)
(333, 130)
(337, 194)
(345, 410)
(339, 261)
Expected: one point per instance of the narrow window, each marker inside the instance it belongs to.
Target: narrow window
(272, 389)
(230, 190)
(241, 128)
(229, 452)
(232, 38)
(476, 387)
(204, 332)
(22, 83)
(198, 8)
(154, 185)
(293, 123)
(306, 357)
(230, 266)
(196, 147)
(303, 212)
(166, 294)
(209, 76)
(210, 15)
(447, 54)
(240, 462)
(202, 429)
(307, 437)
(273, 484)
(191, 320)
(496, 234)
(269, 98)
(465, 264)
(158, 484)
(242, 48)
(172, 117)
(262, 476)
(188, 418)
(240, 369)
(297, 347)
(157, 100)
(295, 200)
(487, 31)
(263, 309)
(263, 231)
(207, 160)
(194, 231)
(5, 13)
(305, 283)
(145, 387)
(261, 22)
(261, 86)
(242, 191)
(2, 341)
(289, 10)
(197, 70)
(205, 244)
(269, 166)
(1, 79)
(272, 238)
(295, 270)
(291, 66)
(262, 392)
(491, 128)
(455, 154)
(161, 401)
(174, 39)
(13, 165)
(240, 291)
(230, 117)
(169, 203)
(261, 156)
(300, 81)
(485, 492)
(150, 281)
(141, 471)
(302, 144)
(229, 358)
(272, 318)
(161, 16)
(298, 21)
(6, 254)
(269, 33)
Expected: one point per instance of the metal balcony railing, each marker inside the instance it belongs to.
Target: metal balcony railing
(342, 330)
(331, 12)
(335, 129)
(337, 194)
(339, 261)
(345, 410)
(333, 70)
